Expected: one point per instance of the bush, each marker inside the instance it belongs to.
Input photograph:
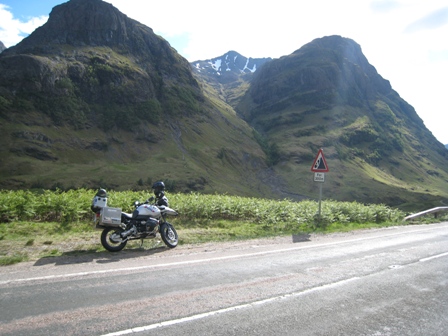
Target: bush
(74, 205)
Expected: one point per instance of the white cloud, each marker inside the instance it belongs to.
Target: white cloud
(384, 6)
(12, 30)
(434, 20)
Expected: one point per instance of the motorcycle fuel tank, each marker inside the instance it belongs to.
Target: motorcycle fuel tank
(168, 211)
(148, 210)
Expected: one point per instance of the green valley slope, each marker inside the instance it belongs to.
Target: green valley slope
(93, 98)
(109, 103)
(326, 95)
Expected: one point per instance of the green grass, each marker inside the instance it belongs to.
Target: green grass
(53, 223)
(13, 259)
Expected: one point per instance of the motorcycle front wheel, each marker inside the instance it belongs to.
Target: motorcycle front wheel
(111, 240)
(169, 235)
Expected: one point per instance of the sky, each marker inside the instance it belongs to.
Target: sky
(405, 40)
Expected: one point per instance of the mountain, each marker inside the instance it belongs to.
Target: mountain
(229, 75)
(93, 98)
(88, 53)
(2, 46)
(229, 67)
(327, 95)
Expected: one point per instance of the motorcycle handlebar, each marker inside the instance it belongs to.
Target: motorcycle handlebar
(148, 201)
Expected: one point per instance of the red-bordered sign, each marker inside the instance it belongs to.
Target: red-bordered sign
(319, 164)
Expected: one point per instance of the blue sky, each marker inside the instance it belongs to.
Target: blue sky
(25, 9)
(406, 40)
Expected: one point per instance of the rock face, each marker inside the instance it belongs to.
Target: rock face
(95, 98)
(327, 95)
(325, 73)
(90, 53)
(2, 46)
(89, 23)
(332, 67)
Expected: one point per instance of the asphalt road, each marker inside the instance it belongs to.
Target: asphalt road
(375, 282)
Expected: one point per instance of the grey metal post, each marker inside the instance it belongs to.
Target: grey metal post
(320, 199)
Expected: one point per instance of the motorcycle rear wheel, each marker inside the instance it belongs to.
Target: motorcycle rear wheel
(169, 235)
(111, 240)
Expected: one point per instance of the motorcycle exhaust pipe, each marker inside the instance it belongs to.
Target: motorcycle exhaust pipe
(132, 230)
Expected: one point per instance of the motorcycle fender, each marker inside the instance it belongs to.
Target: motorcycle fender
(170, 211)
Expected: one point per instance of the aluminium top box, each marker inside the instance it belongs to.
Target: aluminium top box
(110, 216)
(99, 202)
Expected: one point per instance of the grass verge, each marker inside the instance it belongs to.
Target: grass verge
(24, 242)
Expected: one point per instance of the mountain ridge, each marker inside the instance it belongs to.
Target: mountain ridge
(228, 66)
(111, 104)
(229, 74)
(94, 42)
(327, 95)
(81, 113)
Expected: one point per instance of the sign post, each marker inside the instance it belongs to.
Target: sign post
(319, 168)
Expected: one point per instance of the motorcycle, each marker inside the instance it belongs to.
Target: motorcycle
(146, 221)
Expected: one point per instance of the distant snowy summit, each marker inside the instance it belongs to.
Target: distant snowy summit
(230, 64)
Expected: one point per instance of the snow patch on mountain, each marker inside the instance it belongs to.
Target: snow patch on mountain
(231, 62)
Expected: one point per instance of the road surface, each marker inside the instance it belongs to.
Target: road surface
(390, 281)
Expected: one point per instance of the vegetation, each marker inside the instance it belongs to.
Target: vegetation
(46, 220)
(116, 116)
(74, 206)
(271, 150)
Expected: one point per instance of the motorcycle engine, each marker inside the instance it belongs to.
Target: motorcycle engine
(147, 225)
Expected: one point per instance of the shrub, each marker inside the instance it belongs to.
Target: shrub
(74, 205)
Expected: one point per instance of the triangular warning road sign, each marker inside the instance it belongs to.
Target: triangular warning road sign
(319, 164)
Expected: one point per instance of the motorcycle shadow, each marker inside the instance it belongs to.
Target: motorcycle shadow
(303, 237)
(101, 257)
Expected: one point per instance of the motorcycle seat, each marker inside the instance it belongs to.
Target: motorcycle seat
(126, 215)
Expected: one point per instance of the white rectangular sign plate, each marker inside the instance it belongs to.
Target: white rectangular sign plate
(319, 177)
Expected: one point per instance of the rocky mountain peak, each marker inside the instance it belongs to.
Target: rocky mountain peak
(2, 46)
(88, 23)
(331, 70)
(228, 67)
(89, 54)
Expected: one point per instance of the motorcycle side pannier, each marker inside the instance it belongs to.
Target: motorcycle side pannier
(110, 216)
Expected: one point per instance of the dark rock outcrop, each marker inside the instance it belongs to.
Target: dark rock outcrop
(92, 61)
(331, 70)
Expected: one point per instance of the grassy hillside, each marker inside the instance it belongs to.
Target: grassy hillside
(186, 152)
(81, 109)
(326, 95)
(406, 178)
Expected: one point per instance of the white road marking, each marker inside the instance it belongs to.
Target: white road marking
(137, 268)
(225, 310)
(434, 257)
(248, 305)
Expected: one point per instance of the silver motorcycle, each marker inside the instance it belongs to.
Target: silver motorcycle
(145, 222)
